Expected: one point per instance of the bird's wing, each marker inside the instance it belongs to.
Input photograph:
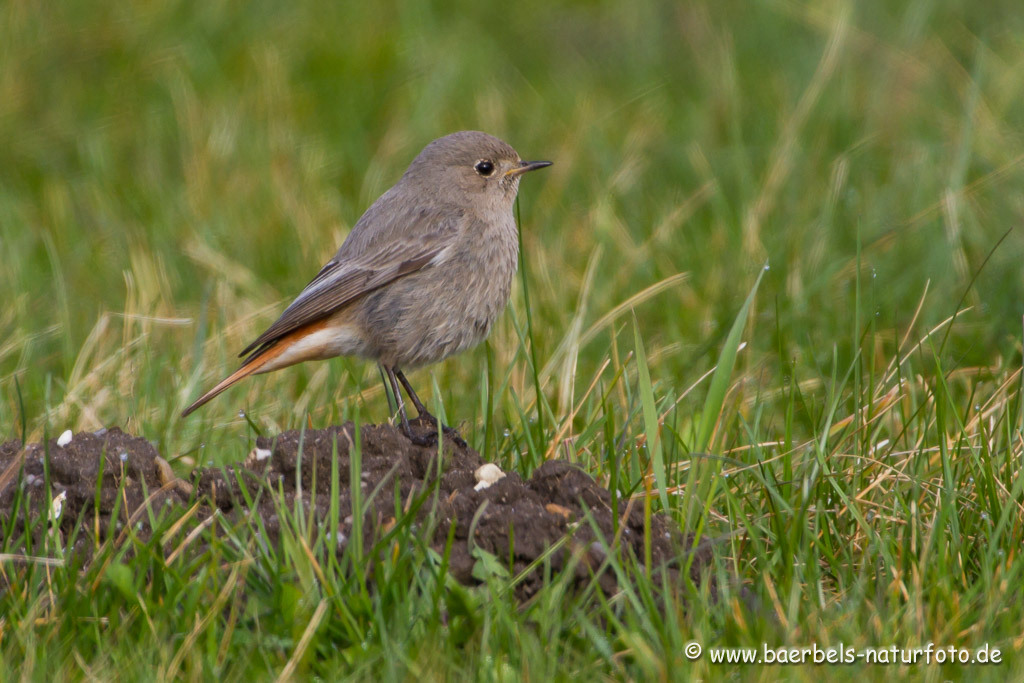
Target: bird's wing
(388, 255)
(337, 284)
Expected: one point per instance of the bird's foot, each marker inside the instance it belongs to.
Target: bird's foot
(427, 440)
(430, 438)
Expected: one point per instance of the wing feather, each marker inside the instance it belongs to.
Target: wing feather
(342, 286)
(375, 254)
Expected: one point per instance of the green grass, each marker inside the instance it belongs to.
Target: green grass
(171, 173)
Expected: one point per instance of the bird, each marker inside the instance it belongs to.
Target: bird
(422, 275)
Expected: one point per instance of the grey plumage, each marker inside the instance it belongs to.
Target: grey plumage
(423, 274)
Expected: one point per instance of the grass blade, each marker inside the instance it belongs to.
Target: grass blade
(650, 412)
(723, 370)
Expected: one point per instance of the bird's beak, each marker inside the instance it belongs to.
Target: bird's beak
(525, 166)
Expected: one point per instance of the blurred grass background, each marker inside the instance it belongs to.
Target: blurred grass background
(172, 173)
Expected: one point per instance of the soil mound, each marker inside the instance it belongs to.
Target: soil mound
(559, 511)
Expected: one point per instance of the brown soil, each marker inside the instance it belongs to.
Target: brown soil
(515, 520)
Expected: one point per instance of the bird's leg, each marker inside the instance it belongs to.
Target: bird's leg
(423, 413)
(427, 440)
(421, 409)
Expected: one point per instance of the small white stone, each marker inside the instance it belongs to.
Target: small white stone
(487, 475)
(64, 439)
(57, 506)
(261, 453)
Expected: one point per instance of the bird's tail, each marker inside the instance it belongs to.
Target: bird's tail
(238, 375)
(312, 341)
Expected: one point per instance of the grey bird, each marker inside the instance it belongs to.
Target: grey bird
(422, 275)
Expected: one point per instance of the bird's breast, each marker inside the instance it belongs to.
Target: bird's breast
(447, 307)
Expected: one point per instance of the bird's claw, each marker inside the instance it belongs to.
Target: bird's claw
(431, 437)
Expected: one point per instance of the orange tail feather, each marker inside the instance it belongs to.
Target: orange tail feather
(258, 363)
(238, 375)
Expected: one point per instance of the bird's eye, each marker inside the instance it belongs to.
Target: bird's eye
(484, 167)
